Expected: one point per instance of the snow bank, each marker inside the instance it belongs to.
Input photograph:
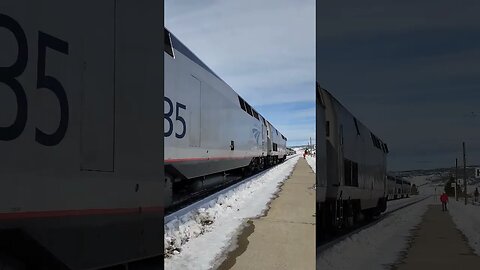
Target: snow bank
(201, 238)
(396, 204)
(312, 162)
(467, 219)
(376, 247)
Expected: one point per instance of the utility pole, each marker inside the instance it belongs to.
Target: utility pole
(464, 174)
(456, 179)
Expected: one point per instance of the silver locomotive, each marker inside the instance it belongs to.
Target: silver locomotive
(209, 129)
(351, 166)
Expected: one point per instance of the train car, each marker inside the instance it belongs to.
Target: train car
(81, 145)
(391, 188)
(277, 145)
(406, 188)
(356, 167)
(398, 188)
(209, 129)
(290, 151)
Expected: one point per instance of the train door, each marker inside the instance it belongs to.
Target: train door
(98, 110)
(264, 134)
(194, 123)
(332, 142)
(269, 139)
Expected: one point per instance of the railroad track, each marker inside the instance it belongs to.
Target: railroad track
(202, 199)
(330, 243)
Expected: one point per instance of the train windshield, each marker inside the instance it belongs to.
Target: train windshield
(167, 43)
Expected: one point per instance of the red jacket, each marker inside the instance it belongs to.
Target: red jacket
(444, 198)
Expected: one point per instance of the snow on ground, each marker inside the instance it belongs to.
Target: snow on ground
(201, 238)
(467, 219)
(311, 160)
(376, 247)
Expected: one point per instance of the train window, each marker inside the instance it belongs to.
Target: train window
(276, 131)
(275, 147)
(265, 122)
(327, 127)
(167, 43)
(356, 126)
(386, 149)
(242, 103)
(320, 96)
(249, 109)
(255, 114)
(376, 141)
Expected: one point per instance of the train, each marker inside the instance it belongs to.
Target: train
(290, 151)
(209, 130)
(81, 137)
(397, 188)
(351, 167)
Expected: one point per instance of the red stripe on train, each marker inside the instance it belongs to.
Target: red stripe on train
(199, 159)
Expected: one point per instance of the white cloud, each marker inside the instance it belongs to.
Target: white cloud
(260, 48)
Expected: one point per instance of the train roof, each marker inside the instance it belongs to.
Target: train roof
(179, 46)
(380, 144)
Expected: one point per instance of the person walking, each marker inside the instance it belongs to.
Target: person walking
(305, 153)
(444, 200)
(476, 194)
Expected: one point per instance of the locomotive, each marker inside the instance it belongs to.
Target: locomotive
(351, 167)
(81, 146)
(209, 130)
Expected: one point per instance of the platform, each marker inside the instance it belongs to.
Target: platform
(285, 237)
(438, 244)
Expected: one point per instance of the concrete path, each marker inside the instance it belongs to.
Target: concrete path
(285, 237)
(438, 244)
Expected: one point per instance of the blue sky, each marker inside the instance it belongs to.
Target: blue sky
(409, 70)
(265, 50)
